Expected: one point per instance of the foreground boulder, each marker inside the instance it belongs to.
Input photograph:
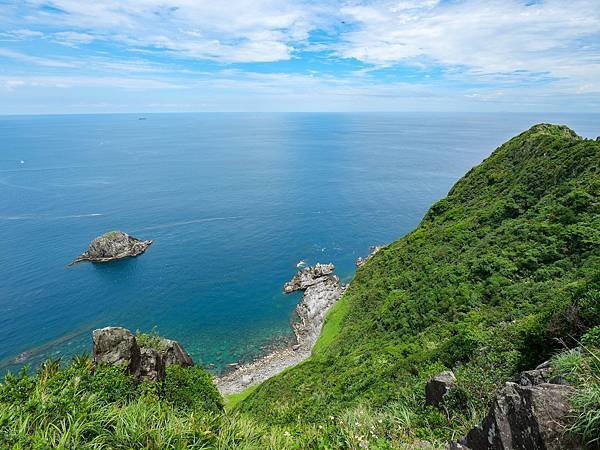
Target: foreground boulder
(438, 387)
(116, 345)
(112, 246)
(527, 416)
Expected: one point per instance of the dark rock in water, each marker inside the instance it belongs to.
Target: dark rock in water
(111, 246)
(438, 387)
(116, 345)
(152, 365)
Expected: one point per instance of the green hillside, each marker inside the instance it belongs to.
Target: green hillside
(495, 273)
(500, 275)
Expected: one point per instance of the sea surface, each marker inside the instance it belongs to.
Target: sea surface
(232, 201)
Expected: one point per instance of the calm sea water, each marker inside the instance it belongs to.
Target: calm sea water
(232, 201)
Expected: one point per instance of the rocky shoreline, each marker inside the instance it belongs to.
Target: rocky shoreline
(321, 290)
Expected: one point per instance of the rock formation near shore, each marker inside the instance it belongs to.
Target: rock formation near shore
(360, 261)
(321, 290)
(112, 246)
(309, 276)
(116, 345)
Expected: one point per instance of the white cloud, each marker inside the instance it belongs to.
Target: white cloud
(494, 52)
(36, 60)
(68, 82)
(232, 31)
(73, 38)
(484, 37)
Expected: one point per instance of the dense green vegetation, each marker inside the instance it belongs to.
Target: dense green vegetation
(581, 368)
(495, 272)
(81, 407)
(499, 276)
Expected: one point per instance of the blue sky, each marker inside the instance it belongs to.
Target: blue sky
(77, 56)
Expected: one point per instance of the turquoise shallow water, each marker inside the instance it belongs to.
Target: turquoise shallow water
(232, 201)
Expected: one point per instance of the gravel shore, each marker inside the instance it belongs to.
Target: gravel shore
(320, 294)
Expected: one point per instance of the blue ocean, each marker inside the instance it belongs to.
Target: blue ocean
(232, 201)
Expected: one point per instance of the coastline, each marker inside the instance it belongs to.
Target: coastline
(321, 289)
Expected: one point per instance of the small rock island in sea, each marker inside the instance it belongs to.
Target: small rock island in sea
(112, 246)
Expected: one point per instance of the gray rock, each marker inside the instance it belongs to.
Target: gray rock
(361, 261)
(438, 387)
(246, 380)
(308, 277)
(116, 345)
(152, 366)
(524, 418)
(174, 353)
(559, 379)
(534, 377)
(112, 246)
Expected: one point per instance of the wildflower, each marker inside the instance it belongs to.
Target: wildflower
(320, 427)
(286, 434)
(331, 417)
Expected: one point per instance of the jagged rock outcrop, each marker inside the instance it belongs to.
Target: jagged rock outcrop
(117, 345)
(152, 366)
(112, 246)
(529, 415)
(541, 374)
(309, 276)
(321, 290)
(372, 250)
(173, 353)
(438, 387)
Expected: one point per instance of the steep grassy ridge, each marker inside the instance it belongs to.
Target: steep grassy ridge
(507, 263)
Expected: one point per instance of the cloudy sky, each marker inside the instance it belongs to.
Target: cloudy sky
(64, 56)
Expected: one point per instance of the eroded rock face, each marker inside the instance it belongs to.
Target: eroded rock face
(309, 276)
(321, 290)
(174, 353)
(438, 387)
(112, 246)
(529, 415)
(152, 365)
(116, 345)
(524, 417)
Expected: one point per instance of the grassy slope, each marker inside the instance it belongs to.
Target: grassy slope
(498, 269)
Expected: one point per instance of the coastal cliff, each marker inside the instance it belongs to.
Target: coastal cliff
(499, 275)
